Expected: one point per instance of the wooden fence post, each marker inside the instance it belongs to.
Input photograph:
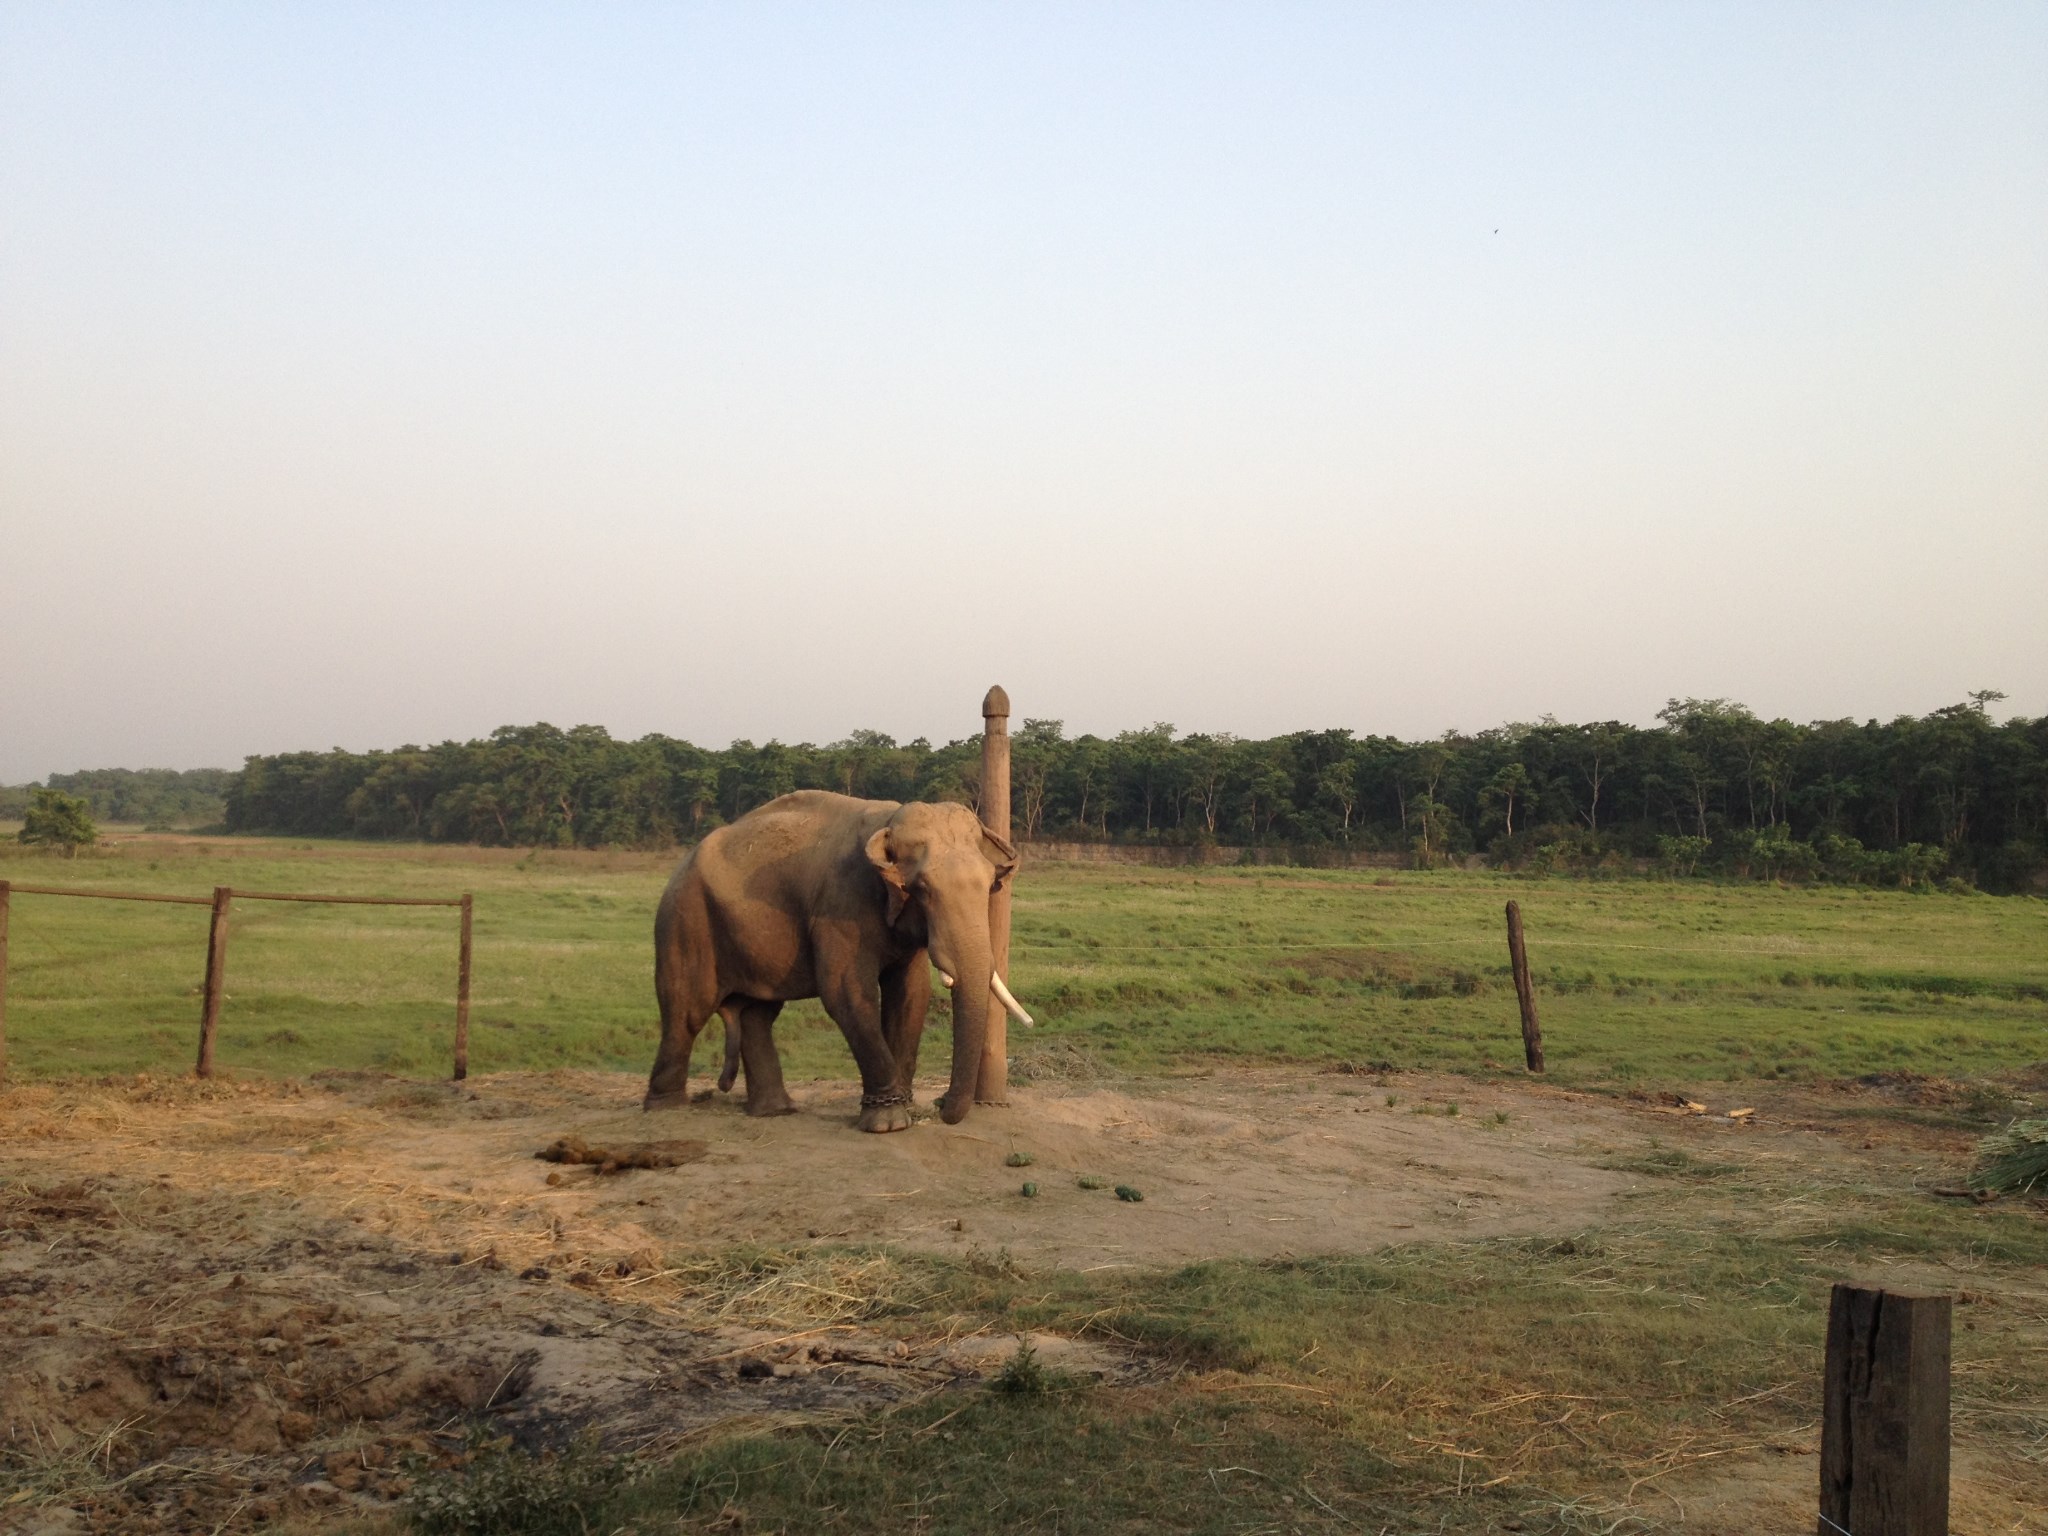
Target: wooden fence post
(6, 900)
(1525, 990)
(1884, 1429)
(462, 995)
(216, 978)
(994, 1083)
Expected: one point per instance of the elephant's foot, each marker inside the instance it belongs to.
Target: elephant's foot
(888, 1110)
(673, 1100)
(763, 1105)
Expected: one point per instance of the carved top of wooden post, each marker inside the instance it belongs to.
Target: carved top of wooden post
(997, 705)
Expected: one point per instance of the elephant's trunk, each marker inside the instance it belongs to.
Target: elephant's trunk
(967, 958)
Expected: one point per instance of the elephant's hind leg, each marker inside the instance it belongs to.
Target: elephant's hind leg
(765, 1093)
(688, 997)
(729, 1073)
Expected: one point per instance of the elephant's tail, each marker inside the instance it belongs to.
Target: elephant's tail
(730, 1072)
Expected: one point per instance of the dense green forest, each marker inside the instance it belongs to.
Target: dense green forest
(158, 797)
(1711, 788)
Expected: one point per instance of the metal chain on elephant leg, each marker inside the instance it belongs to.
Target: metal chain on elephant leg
(883, 1100)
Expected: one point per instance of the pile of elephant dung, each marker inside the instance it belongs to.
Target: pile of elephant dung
(646, 1154)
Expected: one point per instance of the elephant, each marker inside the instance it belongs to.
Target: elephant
(848, 901)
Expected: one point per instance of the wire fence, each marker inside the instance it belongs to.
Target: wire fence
(221, 902)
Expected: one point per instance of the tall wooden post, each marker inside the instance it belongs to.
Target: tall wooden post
(994, 1085)
(462, 995)
(1884, 1427)
(6, 895)
(216, 978)
(1525, 990)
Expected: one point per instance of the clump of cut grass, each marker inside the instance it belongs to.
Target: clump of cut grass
(777, 1289)
(2014, 1161)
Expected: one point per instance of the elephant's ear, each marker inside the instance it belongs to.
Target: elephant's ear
(1001, 853)
(892, 876)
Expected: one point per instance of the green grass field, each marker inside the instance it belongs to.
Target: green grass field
(1130, 971)
(1562, 1384)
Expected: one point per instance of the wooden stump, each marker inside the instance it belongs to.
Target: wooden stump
(1884, 1428)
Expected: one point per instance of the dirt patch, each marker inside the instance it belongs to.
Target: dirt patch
(1238, 1166)
(230, 1303)
(246, 1302)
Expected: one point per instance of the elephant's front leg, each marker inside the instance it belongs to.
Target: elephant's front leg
(906, 996)
(765, 1093)
(852, 994)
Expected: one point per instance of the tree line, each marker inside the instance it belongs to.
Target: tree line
(1712, 787)
(154, 797)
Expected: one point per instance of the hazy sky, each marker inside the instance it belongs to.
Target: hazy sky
(385, 373)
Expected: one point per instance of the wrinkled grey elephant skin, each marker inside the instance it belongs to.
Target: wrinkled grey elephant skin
(848, 901)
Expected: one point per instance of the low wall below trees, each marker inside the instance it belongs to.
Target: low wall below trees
(1170, 856)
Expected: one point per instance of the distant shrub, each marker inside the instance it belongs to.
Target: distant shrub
(57, 820)
(1771, 854)
(1567, 850)
(1682, 855)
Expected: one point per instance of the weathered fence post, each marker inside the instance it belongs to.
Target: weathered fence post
(1884, 1427)
(216, 978)
(994, 1085)
(1525, 990)
(6, 897)
(462, 995)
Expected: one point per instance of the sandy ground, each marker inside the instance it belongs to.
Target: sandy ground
(228, 1303)
(1238, 1165)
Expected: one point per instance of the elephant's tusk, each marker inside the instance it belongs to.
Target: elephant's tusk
(1002, 992)
(1010, 1004)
